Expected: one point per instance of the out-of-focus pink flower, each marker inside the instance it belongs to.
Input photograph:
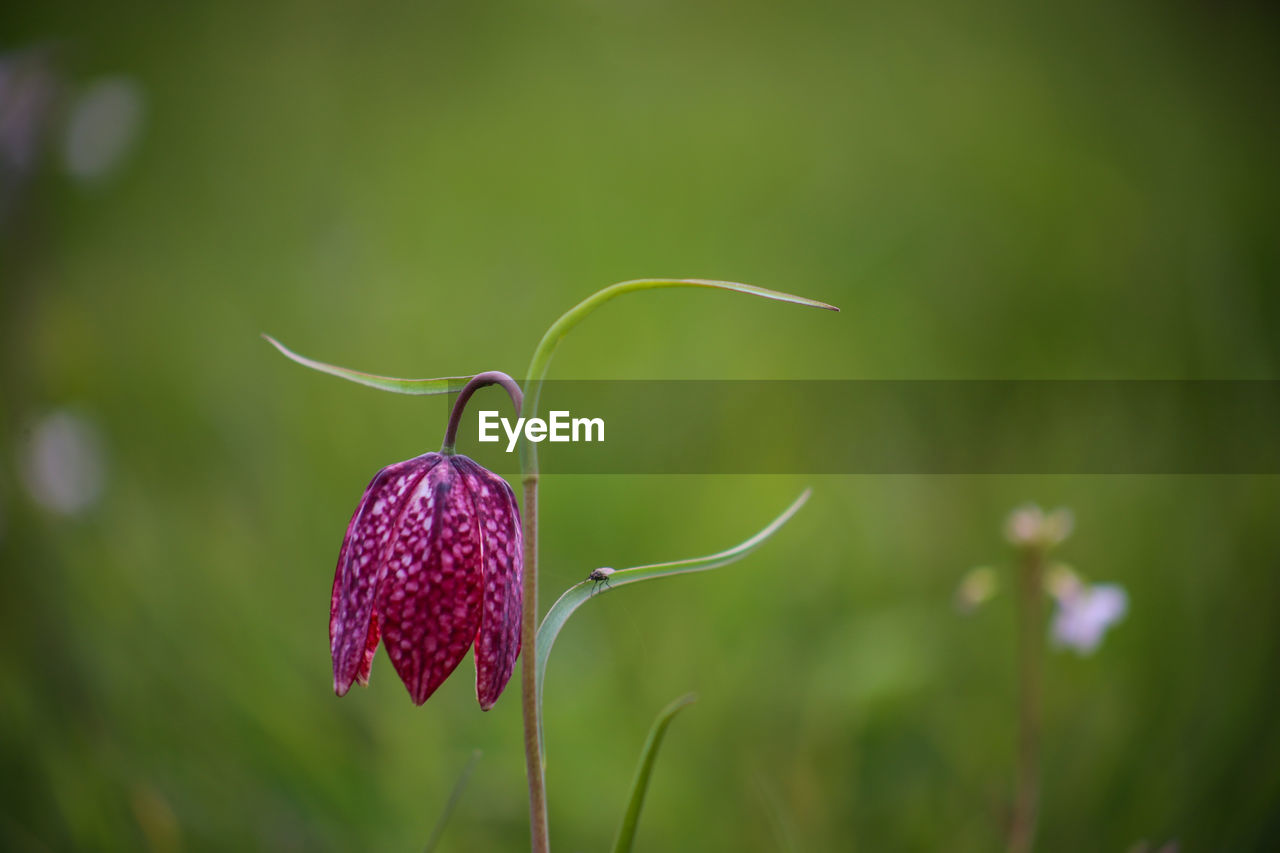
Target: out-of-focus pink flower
(432, 563)
(1085, 612)
(1031, 527)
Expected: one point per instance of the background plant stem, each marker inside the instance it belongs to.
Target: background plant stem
(1030, 606)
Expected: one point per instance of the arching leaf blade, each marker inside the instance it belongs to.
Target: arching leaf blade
(575, 315)
(417, 387)
(546, 348)
(578, 594)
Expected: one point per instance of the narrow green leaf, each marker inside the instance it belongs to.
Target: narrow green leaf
(778, 295)
(452, 802)
(419, 387)
(640, 784)
(546, 348)
(576, 314)
(578, 594)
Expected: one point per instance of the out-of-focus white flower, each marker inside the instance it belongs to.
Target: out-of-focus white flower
(976, 588)
(1029, 526)
(103, 124)
(61, 464)
(1085, 612)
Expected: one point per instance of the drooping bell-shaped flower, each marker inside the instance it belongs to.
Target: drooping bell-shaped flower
(432, 564)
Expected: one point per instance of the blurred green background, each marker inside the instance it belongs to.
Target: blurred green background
(988, 190)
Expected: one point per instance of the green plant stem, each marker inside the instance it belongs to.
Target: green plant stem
(535, 762)
(535, 767)
(1030, 606)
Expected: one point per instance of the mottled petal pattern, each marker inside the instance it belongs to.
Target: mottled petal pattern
(498, 638)
(432, 564)
(430, 602)
(353, 631)
(370, 649)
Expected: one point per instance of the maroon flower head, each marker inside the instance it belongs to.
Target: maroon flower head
(432, 562)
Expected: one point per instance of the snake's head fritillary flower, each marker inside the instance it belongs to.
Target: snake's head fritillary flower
(432, 564)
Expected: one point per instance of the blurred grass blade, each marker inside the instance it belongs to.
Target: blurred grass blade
(640, 785)
(576, 595)
(420, 387)
(776, 816)
(451, 804)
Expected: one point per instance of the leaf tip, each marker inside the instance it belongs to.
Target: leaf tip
(279, 346)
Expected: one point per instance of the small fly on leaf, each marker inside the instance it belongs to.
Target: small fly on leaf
(600, 576)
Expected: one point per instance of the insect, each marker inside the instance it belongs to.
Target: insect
(600, 576)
